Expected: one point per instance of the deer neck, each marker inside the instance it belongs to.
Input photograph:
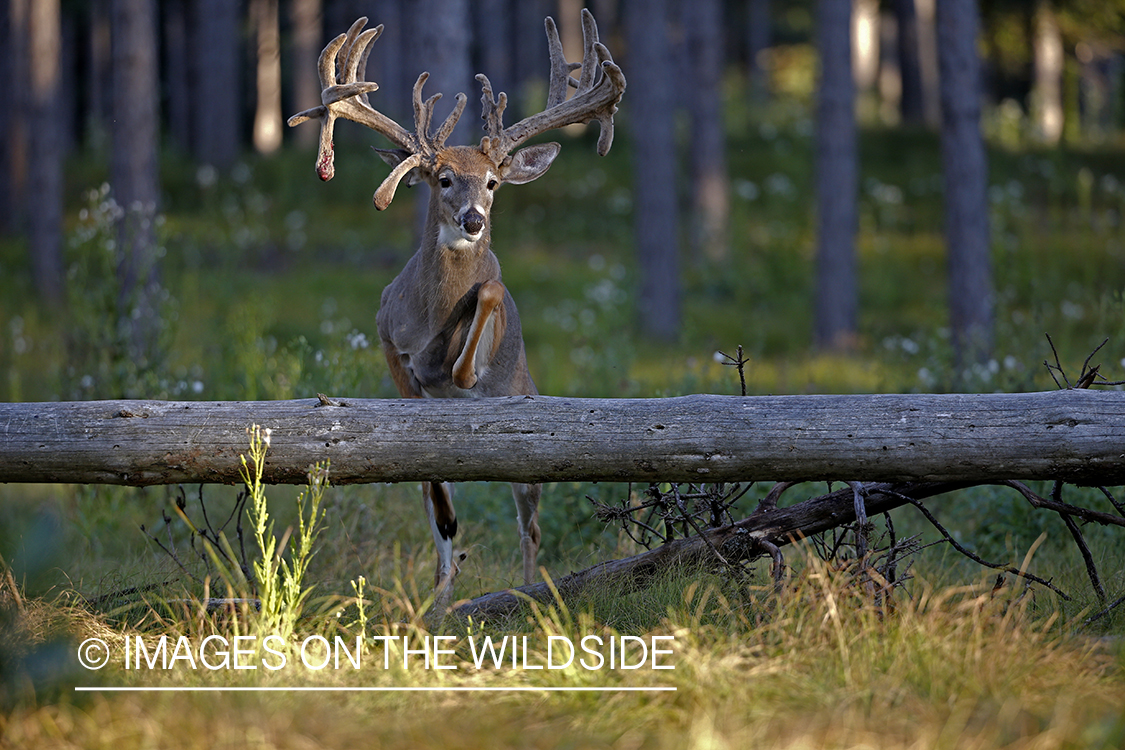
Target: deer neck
(452, 266)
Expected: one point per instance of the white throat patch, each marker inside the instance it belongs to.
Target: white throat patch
(456, 237)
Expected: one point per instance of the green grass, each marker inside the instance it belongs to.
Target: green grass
(273, 282)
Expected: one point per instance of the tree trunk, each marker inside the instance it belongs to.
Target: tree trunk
(928, 61)
(178, 89)
(14, 129)
(569, 22)
(836, 160)
(392, 63)
(440, 41)
(865, 46)
(7, 83)
(652, 118)
(1074, 435)
(494, 26)
(1047, 103)
(703, 24)
(307, 42)
(965, 166)
(530, 56)
(46, 143)
(911, 98)
(135, 169)
(267, 113)
(217, 59)
(758, 35)
(98, 122)
(437, 41)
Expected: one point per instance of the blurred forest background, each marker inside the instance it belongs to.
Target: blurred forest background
(866, 195)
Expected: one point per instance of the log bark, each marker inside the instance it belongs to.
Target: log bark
(1077, 436)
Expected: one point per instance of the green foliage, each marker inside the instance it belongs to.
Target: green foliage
(280, 582)
(118, 337)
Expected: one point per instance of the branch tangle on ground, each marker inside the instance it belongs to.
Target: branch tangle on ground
(766, 531)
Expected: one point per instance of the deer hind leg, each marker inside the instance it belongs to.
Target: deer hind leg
(527, 516)
(490, 301)
(438, 500)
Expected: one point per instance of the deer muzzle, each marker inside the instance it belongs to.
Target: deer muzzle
(472, 223)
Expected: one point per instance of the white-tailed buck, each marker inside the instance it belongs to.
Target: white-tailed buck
(449, 327)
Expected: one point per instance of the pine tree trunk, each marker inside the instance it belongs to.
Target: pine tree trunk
(307, 25)
(652, 112)
(135, 169)
(1047, 92)
(965, 166)
(178, 87)
(530, 54)
(47, 149)
(218, 101)
(267, 113)
(836, 163)
(928, 61)
(703, 24)
(759, 31)
(911, 101)
(440, 42)
(15, 126)
(494, 25)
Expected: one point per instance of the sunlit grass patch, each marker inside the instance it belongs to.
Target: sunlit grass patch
(819, 665)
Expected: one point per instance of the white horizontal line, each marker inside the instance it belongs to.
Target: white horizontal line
(298, 689)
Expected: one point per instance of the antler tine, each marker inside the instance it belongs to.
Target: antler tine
(590, 41)
(423, 145)
(358, 54)
(347, 62)
(348, 86)
(596, 97)
(344, 96)
(326, 67)
(424, 115)
(423, 110)
(451, 121)
(492, 112)
(560, 79)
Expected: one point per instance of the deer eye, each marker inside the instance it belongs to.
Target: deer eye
(445, 182)
(492, 184)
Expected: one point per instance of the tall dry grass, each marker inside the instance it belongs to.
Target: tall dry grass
(818, 665)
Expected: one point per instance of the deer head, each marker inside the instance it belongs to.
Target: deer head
(419, 153)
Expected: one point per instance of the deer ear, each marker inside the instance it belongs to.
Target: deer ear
(529, 163)
(394, 157)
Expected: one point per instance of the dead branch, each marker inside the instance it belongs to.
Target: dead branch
(1105, 519)
(976, 558)
(769, 502)
(1080, 541)
(738, 542)
(1109, 496)
(1105, 611)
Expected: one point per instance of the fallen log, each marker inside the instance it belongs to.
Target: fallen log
(748, 538)
(763, 533)
(1077, 436)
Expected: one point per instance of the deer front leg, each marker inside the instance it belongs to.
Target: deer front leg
(490, 302)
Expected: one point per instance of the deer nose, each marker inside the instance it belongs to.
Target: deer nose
(472, 222)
